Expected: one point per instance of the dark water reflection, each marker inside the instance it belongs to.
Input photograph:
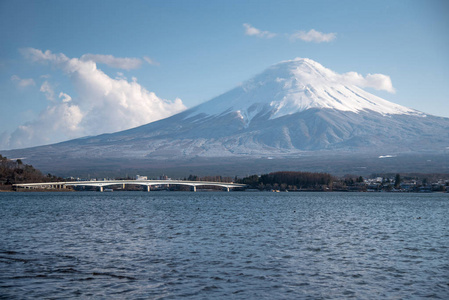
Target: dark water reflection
(226, 245)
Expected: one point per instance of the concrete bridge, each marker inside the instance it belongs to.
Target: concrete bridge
(148, 183)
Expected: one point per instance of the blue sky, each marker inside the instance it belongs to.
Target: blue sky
(112, 65)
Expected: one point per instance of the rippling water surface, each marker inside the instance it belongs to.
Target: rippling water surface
(227, 245)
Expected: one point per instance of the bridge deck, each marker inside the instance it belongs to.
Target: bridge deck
(147, 183)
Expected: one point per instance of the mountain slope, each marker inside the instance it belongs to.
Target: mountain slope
(294, 108)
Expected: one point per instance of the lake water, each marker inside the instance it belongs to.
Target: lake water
(238, 245)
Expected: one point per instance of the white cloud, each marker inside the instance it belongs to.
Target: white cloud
(36, 55)
(310, 36)
(48, 91)
(150, 61)
(103, 104)
(65, 98)
(126, 63)
(55, 123)
(313, 36)
(22, 82)
(375, 81)
(252, 31)
(4, 139)
(120, 75)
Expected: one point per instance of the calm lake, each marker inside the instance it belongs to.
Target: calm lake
(238, 245)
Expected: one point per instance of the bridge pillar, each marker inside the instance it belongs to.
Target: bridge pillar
(194, 188)
(148, 188)
(123, 186)
(227, 189)
(101, 189)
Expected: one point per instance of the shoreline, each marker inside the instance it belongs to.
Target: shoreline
(204, 191)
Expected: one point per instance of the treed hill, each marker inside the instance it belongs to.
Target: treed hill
(15, 171)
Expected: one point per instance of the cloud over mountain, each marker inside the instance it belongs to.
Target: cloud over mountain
(376, 81)
(102, 104)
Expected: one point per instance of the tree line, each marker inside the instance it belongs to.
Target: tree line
(216, 178)
(289, 180)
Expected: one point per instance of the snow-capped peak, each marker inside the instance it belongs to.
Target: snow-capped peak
(297, 85)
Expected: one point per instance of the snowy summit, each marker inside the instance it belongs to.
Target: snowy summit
(297, 85)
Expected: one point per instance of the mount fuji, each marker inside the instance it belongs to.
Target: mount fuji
(295, 115)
